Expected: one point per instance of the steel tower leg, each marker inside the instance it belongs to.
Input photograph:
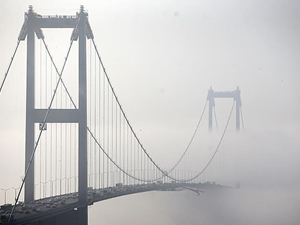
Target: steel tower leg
(82, 189)
(210, 116)
(238, 105)
(237, 116)
(29, 141)
(210, 99)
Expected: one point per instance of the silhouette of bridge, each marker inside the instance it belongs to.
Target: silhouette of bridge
(83, 149)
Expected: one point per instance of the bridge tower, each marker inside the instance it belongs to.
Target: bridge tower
(32, 25)
(236, 95)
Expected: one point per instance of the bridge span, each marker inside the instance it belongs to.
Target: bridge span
(63, 209)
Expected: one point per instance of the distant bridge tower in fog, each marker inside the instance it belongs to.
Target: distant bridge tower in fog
(236, 95)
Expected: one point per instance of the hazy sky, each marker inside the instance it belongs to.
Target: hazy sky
(162, 57)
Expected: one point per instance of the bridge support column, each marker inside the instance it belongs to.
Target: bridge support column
(238, 105)
(210, 116)
(237, 116)
(82, 159)
(211, 104)
(29, 138)
(82, 215)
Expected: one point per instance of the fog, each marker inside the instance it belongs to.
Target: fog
(230, 206)
(162, 57)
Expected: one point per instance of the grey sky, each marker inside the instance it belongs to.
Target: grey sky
(162, 57)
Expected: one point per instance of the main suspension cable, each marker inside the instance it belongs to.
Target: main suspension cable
(10, 63)
(217, 149)
(133, 132)
(189, 144)
(242, 117)
(112, 161)
(214, 108)
(164, 173)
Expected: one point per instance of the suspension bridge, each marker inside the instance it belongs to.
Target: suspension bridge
(81, 148)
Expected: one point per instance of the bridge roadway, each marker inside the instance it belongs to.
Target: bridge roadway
(52, 207)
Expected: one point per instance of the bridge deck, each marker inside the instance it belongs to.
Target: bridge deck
(53, 206)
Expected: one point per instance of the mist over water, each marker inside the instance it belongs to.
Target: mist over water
(228, 206)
